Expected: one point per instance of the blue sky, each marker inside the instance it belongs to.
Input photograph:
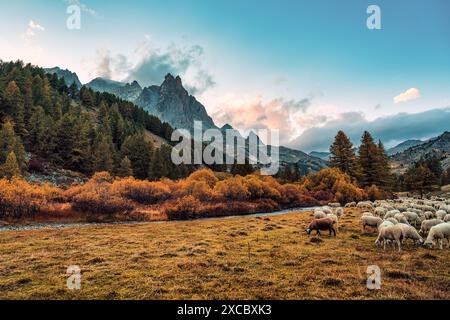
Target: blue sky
(293, 65)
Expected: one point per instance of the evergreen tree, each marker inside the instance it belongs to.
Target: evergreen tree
(9, 142)
(125, 169)
(139, 151)
(103, 153)
(342, 155)
(15, 107)
(385, 178)
(368, 161)
(420, 178)
(11, 167)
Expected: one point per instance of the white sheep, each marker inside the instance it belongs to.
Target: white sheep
(350, 205)
(392, 220)
(370, 214)
(447, 218)
(339, 212)
(390, 214)
(380, 212)
(334, 204)
(319, 214)
(409, 232)
(428, 224)
(392, 233)
(400, 217)
(412, 217)
(385, 224)
(335, 219)
(440, 214)
(371, 221)
(439, 232)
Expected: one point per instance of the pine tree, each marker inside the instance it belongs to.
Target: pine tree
(368, 161)
(420, 178)
(9, 142)
(15, 107)
(139, 151)
(342, 155)
(11, 167)
(385, 178)
(125, 169)
(103, 153)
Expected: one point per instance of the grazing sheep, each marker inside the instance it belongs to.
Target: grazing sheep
(365, 205)
(380, 212)
(326, 210)
(339, 212)
(334, 204)
(392, 233)
(390, 214)
(412, 217)
(370, 214)
(439, 232)
(447, 218)
(400, 217)
(409, 232)
(321, 224)
(440, 214)
(393, 220)
(335, 219)
(428, 224)
(350, 205)
(385, 224)
(371, 221)
(319, 215)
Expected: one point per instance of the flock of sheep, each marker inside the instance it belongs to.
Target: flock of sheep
(394, 220)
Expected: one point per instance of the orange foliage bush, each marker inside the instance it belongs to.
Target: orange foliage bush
(97, 196)
(232, 189)
(141, 191)
(20, 199)
(205, 175)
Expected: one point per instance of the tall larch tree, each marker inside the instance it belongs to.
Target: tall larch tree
(342, 155)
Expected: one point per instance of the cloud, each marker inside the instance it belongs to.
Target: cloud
(389, 129)
(152, 64)
(33, 27)
(408, 95)
(253, 112)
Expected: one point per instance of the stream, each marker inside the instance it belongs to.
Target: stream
(90, 224)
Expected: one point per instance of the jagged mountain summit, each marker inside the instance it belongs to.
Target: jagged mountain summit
(68, 76)
(172, 103)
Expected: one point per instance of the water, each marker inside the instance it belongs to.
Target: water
(80, 225)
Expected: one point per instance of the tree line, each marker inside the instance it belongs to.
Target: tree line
(77, 129)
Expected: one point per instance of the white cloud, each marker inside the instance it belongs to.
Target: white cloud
(408, 95)
(33, 27)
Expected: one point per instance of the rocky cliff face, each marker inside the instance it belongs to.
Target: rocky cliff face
(68, 76)
(173, 104)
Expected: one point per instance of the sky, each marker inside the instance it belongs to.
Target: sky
(307, 68)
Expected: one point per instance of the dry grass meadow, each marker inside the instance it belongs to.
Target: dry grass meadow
(234, 258)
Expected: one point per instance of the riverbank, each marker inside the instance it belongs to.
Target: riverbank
(52, 225)
(262, 257)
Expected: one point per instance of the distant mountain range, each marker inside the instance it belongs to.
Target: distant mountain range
(405, 145)
(171, 103)
(436, 147)
(321, 155)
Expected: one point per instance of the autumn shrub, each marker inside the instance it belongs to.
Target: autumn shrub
(205, 175)
(345, 192)
(97, 196)
(183, 208)
(144, 192)
(232, 189)
(19, 199)
(374, 193)
(198, 189)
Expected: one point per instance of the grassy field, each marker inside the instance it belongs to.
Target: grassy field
(235, 258)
